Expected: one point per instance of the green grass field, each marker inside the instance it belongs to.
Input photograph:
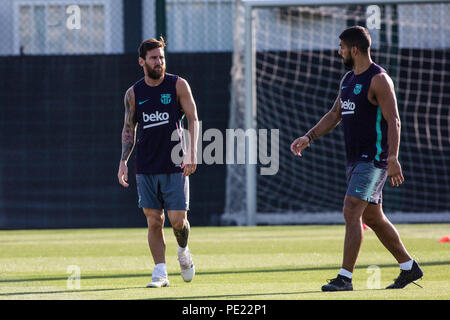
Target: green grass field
(267, 263)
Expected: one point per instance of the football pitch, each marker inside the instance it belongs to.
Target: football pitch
(237, 263)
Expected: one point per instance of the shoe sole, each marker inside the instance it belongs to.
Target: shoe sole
(414, 281)
(419, 277)
(335, 290)
(158, 285)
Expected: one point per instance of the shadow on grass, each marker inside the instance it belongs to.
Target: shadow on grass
(198, 273)
(249, 295)
(64, 291)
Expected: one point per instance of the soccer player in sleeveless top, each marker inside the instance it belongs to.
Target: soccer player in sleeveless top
(367, 106)
(154, 107)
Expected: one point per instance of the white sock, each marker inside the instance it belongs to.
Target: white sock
(182, 250)
(345, 273)
(160, 270)
(406, 265)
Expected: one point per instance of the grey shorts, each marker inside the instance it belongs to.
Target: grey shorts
(366, 182)
(163, 191)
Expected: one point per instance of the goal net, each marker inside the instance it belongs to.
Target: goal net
(296, 73)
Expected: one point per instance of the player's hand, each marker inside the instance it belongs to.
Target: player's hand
(189, 163)
(299, 144)
(122, 175)
(395, 172)
(188, 169)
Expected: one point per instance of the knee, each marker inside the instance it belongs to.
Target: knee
(374, 221)
(178, 223)
(178, 219)
(352, 211)
(352, 217)
(369, 221)
(155, 221)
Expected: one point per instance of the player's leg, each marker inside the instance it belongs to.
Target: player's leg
(181, 229)
(175, 192)
(157, 245)
(374, 217)
(151, 204)
(180, 225)
(365, 185)
(156, 240)
(362, 179)
(353, 211)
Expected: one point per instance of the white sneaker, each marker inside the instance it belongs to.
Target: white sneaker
(158, 282)
(159, 277)
(186, 264)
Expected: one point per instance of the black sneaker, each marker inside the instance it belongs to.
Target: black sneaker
(340, 283)
(406, 277)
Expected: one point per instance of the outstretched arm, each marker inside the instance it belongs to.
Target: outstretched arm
(128, 136)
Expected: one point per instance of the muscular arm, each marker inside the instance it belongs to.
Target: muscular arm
(128, 136)
(384, 94)
(382, 90)
(187, 102)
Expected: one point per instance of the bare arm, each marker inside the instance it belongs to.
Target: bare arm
(187, 102)
(383, 91)
(128, 136)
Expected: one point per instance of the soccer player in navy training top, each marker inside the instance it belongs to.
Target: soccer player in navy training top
(367, 106)
(154, 107)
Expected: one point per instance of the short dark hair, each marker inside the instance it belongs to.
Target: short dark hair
(358, 37)
(150, 44)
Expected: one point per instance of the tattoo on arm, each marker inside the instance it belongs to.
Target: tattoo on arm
(129, 128)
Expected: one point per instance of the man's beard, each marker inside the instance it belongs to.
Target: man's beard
(349, 62)
(155, 73)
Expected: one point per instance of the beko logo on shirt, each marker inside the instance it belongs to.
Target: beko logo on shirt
(158, 117)
(348, 107)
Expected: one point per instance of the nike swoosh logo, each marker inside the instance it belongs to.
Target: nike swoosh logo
(359, 191)
(343, 87)
(142, 102)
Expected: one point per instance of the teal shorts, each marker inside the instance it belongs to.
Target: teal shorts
(365, 181)
(163, 191)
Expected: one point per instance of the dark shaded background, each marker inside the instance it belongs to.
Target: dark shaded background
(62, 116)
(60, 138)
